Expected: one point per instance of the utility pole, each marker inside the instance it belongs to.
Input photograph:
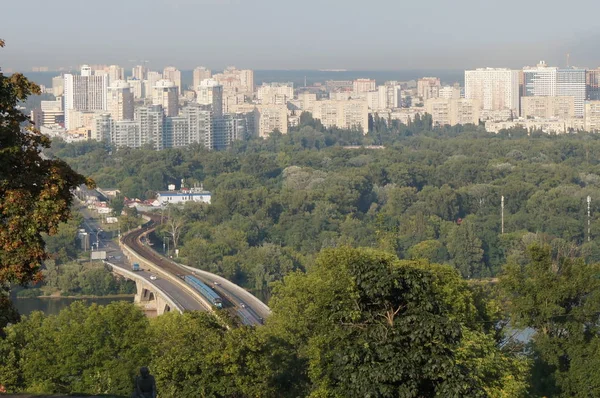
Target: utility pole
(589, 201)
(502, 211)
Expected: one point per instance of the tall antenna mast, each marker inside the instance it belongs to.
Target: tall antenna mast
(568, 60)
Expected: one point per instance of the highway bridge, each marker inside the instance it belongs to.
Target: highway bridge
(158, 295)
(239, 302)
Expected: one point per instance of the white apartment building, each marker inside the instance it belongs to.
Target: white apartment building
(363, 86)
(115, 72)
(137, 88)
(200, 73)
(495, 89)
(165, 94)
(373, 100)
(58, 86)
(235, 81)
(271, 118)
(592, 116)
(307, 101)
(267, 118)
(139, 72)
(539, 81)
(557, 126)
(343, 114)
(548, 107)
(120, 101)
(209, 92)
(571, 83)
(173, 74)
(453, 111)
(450, 92)
(84, 93)
(151, 123)
(151, 79)
(545, 81)
(390, 95)
(52, 111)
(247, 80)
(275, 93)
(428, 87)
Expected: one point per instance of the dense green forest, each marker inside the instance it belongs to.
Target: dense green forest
(431, 193)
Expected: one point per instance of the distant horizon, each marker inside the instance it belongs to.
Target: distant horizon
(296, 76)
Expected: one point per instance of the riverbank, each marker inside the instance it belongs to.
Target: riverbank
(84, 297)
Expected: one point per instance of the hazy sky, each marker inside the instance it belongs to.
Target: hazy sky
(303, 34)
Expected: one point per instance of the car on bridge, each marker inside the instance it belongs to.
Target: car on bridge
(153, 277)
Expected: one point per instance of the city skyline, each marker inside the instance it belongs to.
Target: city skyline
(324, 35)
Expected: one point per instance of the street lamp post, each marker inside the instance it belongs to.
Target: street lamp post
(97, 239)
(589, 202)
(502, 211)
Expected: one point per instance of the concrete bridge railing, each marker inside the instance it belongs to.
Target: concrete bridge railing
(134, 257)
(161, 298)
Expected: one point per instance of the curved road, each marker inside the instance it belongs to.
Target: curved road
(239, 301)
(116, 257)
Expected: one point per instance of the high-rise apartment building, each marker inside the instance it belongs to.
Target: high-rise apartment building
(592, 116)
(453, 111)
(235, 81)
(390, 95)
(137, 88)
(271, 118)
(120, 101)
(363, 86)
(275, 93)
(226, 129)
(139, 72)
(265, 118)
(151, 79)
(151, 123)
(173, 74)
(115, 72)
(343, 114)
(84, 92)
(52, 112)
(58, 86)
(428, 87)
(450, 92)
(592, 83)
(571, 83)
(199, 74)
(200, 122)
(210, 93)
(539, 80)
(494, 89)
(373, 100)
(102, 127)
(548, 107)
(165, 94)
(193, 125)
(247, 81)
(546, 81)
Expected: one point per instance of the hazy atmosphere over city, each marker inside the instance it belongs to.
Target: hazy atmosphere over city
(319, 198)
(309, 34)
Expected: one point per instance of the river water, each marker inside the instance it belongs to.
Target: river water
(52, 306)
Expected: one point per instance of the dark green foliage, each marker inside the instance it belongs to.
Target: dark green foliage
(558, 297)
(304, 192)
